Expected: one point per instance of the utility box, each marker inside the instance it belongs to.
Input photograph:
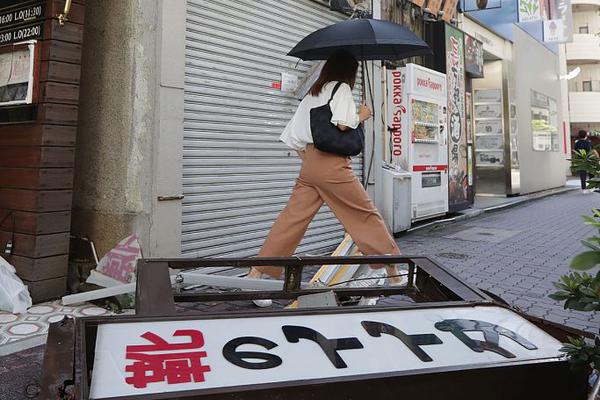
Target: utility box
(396, 190)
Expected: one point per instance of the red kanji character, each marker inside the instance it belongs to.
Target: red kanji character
(175, 367)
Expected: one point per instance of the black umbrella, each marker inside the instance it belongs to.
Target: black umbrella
(366, 39)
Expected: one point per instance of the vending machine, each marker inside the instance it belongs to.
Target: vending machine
(417, 137)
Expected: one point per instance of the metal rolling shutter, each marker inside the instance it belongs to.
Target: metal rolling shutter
(237, 176)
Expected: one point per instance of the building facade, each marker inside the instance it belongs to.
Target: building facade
(584, 52)
(182, 106)
(519, 107)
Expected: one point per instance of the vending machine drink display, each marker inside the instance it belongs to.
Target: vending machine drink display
(417, 138)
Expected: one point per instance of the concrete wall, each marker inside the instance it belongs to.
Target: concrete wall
(586, 17)
(537, 68)
(131, 124)
(564, 104)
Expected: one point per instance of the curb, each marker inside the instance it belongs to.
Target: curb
(476, 212)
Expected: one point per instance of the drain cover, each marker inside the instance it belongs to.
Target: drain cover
(453, 256)
(477, 234)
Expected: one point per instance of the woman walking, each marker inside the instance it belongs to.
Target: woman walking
(327, 177)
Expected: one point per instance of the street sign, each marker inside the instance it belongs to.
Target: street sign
(134, 358)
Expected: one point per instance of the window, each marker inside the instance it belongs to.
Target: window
(584, 29)
(544, 122)
(586, 86)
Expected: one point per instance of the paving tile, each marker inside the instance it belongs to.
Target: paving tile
(519, 252)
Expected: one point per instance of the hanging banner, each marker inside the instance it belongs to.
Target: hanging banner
(553, 31)
(473, 57)
(530, 10)
(559, 29)
(457, 142)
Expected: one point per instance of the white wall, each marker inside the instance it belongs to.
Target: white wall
(535, 67)
(588, 17)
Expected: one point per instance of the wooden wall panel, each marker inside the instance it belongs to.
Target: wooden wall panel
(36, 269)
(60, 114)
(36, 178)
(53, 50)
(35, 223)
(35, 200)
(37, 159)
(37, 246)
(70, 32)
(58, 71)
(37, 135)
(46, 289)
(34, 156)
(53, 92)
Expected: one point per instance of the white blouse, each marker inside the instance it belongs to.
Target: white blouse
(297, 133)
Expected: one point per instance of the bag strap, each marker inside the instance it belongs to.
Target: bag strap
(337, 86)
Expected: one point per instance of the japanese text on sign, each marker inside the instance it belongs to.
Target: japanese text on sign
(137, 358)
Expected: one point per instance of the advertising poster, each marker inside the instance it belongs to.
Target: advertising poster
(469, 116)
(457, 138)
(473, 57)
(554, 31)
(530, 10)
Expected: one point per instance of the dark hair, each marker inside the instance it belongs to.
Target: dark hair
(582, 134)
(340, 66)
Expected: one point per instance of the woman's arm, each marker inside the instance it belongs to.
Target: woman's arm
(364, 113)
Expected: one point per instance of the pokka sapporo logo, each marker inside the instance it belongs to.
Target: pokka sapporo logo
(429, 84)
(399, 109)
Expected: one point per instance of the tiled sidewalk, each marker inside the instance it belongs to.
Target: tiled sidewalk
(22, 331)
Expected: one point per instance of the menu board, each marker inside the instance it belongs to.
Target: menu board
(495, 158)
(488, 110)
(489, 129)
(16, 71)
(489, 142)
(488, 96)
(489, 126)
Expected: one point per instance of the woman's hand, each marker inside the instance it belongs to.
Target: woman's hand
(364, 112)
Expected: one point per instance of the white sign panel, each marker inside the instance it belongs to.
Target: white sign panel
(530, 10)
(564, 13)
(170, 356)
(554, 31)
(289, 82)
(426, 82)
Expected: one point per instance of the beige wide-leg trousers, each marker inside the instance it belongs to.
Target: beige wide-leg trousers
(327, 177)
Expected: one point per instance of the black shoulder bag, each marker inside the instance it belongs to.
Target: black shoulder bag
(327, 137)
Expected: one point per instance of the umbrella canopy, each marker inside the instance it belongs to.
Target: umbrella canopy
(366, 39)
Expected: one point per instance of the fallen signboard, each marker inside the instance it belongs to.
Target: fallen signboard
(456, 343)
(134, 358)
